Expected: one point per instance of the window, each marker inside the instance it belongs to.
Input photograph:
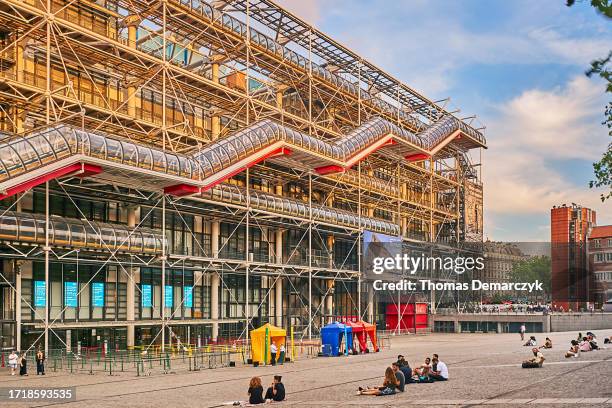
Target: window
(597, 243)
(599, 257)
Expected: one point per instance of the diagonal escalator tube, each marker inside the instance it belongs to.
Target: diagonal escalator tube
(64, 144)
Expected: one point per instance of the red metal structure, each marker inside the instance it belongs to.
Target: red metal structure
(411, 316)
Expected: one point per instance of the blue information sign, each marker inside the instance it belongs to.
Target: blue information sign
(169, 294)
(97, 294)
(40, 294)
(188, 293)
(147, 295)
(70, 294)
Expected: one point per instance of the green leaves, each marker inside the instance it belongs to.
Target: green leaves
(602, 68)
(532, 269)
(604, 7)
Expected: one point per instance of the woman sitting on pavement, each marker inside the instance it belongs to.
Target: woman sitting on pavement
(531, 342)
(584, 345)
(536, 361)
(574, 351)
(389, 387)
(547, 343)
(256, 391)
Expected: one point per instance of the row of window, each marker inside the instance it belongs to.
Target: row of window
(603, 257)
(599, 243)
(603, 276)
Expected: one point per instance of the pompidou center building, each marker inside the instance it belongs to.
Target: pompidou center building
(183, 169)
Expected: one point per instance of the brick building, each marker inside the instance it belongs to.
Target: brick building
(600, 263)
(571, 281)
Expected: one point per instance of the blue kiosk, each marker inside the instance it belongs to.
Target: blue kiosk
(331, 338)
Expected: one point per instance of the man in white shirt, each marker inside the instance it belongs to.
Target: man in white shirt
(441, 373)
(273, 351)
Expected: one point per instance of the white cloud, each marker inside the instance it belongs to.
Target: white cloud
(425, 43)
(531, 138)
(562, 123)
(309, 11)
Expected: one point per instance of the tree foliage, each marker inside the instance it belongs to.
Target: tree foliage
(603, 168)
(532, 269)
(602, 6)
(603, 68)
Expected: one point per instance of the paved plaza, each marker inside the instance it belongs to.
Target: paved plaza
(484, 370)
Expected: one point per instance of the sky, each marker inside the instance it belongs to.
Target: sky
(519, 67)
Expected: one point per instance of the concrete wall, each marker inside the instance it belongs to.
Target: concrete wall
(551, 323)
(580, 322)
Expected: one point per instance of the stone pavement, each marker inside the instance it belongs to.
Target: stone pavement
(484, 370)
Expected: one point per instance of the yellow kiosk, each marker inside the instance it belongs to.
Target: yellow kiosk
(262, 337)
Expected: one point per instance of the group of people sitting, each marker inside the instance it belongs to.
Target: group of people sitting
(532, 342)
(583, 344)
(274, 393)
(538, 358)
(399, 374)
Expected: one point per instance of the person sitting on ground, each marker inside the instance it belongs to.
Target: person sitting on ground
(573, 351)
(389, 386)
(423, 370)
(584, 345)
(593, 341)
(536, 361)
(579, 336)
(608, 340)
(256, 391)
(399, 375)
(547, 343)
(531, 342)
(405, 368)
(440, 372)
(276, 392)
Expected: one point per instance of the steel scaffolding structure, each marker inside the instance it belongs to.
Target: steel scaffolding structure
(212, 165)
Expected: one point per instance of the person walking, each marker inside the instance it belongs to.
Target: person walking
(522, 331)
(13, 359)
(40, 363)
(23, 364)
